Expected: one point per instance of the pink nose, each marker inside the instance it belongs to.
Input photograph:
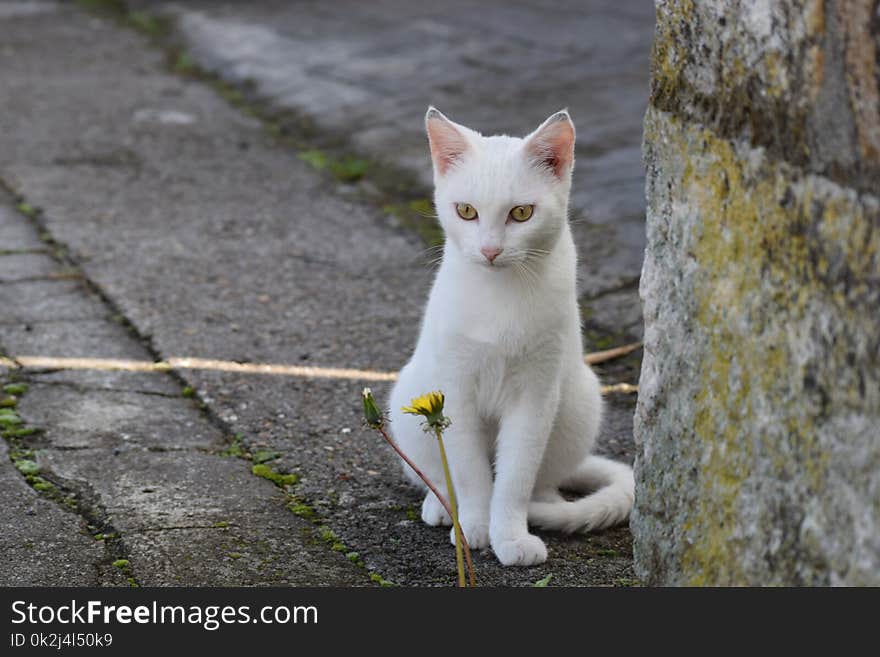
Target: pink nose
(491, 253)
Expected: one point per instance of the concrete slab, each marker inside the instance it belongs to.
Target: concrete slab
(74, 418)
(42, 544)
(27, 302)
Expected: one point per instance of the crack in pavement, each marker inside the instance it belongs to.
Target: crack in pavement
(72, 496)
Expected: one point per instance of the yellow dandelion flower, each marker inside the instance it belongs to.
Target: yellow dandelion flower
(429, 406)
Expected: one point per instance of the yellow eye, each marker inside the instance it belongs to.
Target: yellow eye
(466, 211)
(522, 212)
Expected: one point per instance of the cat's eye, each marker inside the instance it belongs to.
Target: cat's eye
(466, 211)
(522, 212)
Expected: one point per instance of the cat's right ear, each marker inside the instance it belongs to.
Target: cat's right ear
(551, 146)
(447, 140)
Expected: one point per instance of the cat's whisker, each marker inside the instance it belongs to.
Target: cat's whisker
(431, 250)
(434, 263)
(536, 253)
(528, 276)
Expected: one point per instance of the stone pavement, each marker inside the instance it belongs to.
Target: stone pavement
(145, 217)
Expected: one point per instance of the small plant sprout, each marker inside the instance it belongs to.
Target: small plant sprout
(376, 420)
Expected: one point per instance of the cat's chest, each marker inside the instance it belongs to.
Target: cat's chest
(506, 322)
(496, 374)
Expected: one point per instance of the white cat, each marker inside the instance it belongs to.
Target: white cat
(501, 338)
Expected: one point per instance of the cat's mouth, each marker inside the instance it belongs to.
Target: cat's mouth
(495, 264)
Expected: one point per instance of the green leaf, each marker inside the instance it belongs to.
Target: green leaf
(265, 455)
(9, 419)
(541, 583)
(27, 467)
(316, 159)
(349, 169)
(26, 209)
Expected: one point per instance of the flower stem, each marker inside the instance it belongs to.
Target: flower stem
(458, 533)
(452, 511)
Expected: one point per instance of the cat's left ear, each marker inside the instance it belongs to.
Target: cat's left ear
(551, 146)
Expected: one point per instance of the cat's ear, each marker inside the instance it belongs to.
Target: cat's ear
(447, 139)
(551, 146)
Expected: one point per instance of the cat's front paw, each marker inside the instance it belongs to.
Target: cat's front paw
(526, 550)
(477, 535)
(433, 512)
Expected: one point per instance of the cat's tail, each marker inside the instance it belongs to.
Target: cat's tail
(610, 503)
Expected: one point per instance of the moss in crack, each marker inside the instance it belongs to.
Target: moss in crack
(301, 509)
(150, 24)
(14, 431)
(285, 481)
(27, 467)
(280, 479)
(381, 581)
(626, 581)
(236, 448)
(345, 168)
(9, 419)
(184, 64)
(26, 209)
(418, 216)
(154, 26)
(264, 456)
(47, 485)
(124, 566)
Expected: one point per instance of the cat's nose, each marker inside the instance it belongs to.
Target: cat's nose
(491, 252)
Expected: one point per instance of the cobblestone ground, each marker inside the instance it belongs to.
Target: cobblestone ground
(244, 182)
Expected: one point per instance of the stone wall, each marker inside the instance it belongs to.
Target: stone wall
(758, 418)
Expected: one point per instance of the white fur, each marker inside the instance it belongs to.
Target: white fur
(503, 342)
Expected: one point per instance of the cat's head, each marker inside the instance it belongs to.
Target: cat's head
(501, 199)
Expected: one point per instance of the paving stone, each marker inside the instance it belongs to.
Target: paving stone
(27, 266)
(171, 509)
(83, 338)
(27, 302)
(41, 544)
(16, 233)
(157, 383)
(72, 418)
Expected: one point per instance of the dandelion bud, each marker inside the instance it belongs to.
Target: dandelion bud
(372, 415)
